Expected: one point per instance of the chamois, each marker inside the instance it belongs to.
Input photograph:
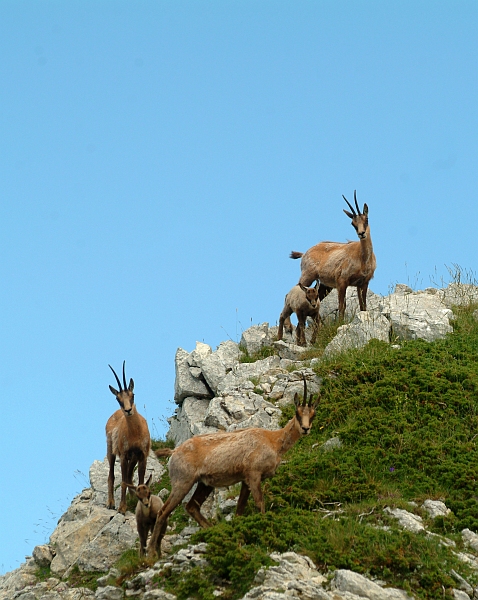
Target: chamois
(304, 302)
(339, 265)
(147, 510)
(127, 435)
(222, 459)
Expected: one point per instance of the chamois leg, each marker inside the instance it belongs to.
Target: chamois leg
(300, 331)
(341, 292)
(324, 290)
(243, 496)
(362, 296)
(143, 530)
(141, 470)
(284, 319)
(254, 484)
(154, 546)
(111, 479)
(124, 484)
(316, 325)
(194, 505)
(131, 465)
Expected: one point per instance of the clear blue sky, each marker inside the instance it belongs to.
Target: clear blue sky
(159, 161)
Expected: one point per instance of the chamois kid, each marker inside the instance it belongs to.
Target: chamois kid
(127, 435)
(225, 458)
(147, 510)
(304, 302)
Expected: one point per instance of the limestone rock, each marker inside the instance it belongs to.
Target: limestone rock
(329, 306)
(254, 338)
(286, 387)
(186, 384)
(289, 350)
(402, 288)
(460, 595)
(17, 580)
(242, 373)
(470, 538)
(188, 420)
(117, 536)
(406, 519)
(109, 593)
(158, 595)
(458, 294)
(417, 315)
(364, 327)
(331, 444)
(354, 583)
(42, 555)
(198, 354)
(239, 410)
(216, 365)
(435, 508)
(294, 577)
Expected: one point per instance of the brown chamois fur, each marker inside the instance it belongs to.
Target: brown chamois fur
(147, 510)
(225, 458)
(339, 265)
(127, 435)
(304, 302)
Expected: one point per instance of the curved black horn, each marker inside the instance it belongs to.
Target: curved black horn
(124, 377)
(304, 402)
(119, 383)
(350, 206)
(356, 203)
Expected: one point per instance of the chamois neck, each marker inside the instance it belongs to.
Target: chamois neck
(366, 247)
(289, 436)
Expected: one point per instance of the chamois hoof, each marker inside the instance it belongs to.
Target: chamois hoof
(110, 505)
(153, 553)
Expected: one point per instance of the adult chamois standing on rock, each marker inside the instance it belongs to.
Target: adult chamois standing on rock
(304, 302)
(339, 265)
(225, 458)
(127, 435)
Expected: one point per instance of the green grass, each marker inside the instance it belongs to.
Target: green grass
(408, 421)
(264, 352)
(86, 579)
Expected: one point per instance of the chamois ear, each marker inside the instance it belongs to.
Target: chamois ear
(302, 287)
(349, 214)
(317, 284)
(365, 209)
(131, 486)
(147, 484)
(113, 391)
(296, 400)
(131, 385)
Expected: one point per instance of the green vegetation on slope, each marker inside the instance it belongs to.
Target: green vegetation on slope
(407, 418)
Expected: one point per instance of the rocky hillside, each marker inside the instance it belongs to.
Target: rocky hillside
(377, 502)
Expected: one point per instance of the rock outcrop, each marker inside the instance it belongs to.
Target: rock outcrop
(215, 391)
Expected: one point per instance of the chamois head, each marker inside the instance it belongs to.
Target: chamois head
(312, 294)
(142, 492)
(124, 396)
(305, 412)
(359, 219)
